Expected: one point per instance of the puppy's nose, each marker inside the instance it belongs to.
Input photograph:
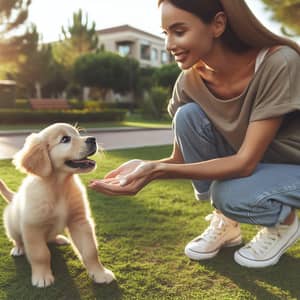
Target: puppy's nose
(91, 140)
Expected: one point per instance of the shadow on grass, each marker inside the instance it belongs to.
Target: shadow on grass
(65, 286)
(109, 292)
(264, 283)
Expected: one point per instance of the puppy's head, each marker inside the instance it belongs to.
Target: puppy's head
(57, 148)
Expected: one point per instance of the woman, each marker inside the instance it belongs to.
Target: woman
(236, 125)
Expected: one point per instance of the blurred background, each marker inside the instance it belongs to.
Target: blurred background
(94, 56)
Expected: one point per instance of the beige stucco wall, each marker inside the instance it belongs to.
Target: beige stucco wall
(110, 40)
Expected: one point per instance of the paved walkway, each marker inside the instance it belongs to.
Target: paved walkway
(108, 139)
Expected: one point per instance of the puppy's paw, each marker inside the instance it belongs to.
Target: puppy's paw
(104, 276)
(61, 240)
(17, 251)
(42, 280)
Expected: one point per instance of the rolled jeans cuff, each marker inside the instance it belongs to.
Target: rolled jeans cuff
(202, 196)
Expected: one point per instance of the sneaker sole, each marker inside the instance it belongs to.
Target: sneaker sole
(246, 262)
(207, 255)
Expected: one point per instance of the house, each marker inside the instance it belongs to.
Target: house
(126, 40)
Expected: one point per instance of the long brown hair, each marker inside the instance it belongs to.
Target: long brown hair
(206, 11)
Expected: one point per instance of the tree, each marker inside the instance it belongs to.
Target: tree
(286, 12)
(145, 80)
(32, 63)
(36, 67)
(13, 13)
(106, 71)
(78, 39)
(57, 81)
(166, 75)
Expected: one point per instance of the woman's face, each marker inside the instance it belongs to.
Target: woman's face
(188, 39)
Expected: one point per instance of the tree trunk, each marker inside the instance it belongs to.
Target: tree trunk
(38, 90)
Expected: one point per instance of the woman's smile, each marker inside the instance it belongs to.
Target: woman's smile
(183, 33)
(180, 56)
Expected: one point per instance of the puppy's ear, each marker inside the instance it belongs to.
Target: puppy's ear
(33, 157)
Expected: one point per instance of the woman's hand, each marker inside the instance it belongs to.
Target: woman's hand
(124, 169)
(128, 179)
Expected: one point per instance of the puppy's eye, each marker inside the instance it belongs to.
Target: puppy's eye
(65, 139)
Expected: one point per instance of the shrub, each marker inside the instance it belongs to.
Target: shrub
(155, 102)
(8, 116)
(166, 75)
(22, 104)
(92, 105)
(75, 104)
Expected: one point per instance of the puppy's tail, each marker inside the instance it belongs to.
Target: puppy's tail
(6, 192)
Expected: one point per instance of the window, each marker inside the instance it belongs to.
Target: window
(145, 51)
(124, 49)
(154, 55)
(164, 57)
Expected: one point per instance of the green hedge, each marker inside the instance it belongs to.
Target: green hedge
(22, 104)
(90, 105)
(9, 116)
(100, 104)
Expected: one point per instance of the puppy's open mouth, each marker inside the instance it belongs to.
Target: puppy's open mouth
(83, 163)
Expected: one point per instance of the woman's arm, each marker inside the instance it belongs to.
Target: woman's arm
(175, 157)
(258, 137)
(113, 179)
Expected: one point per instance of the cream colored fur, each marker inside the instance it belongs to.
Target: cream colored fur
(51, 199)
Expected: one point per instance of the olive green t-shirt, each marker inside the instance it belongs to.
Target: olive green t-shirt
(273, 91)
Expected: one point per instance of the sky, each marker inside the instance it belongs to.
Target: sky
(51, 15)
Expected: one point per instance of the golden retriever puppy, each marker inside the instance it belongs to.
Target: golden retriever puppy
(52, 199)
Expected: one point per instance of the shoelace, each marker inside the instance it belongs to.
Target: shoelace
(215, 229)
(264, 240)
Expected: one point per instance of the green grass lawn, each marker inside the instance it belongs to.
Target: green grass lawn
(141, 239)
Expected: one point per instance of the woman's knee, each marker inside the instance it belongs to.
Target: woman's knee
(225, 198)
(189, 116)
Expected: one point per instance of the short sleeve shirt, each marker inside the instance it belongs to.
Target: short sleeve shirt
(273, 91)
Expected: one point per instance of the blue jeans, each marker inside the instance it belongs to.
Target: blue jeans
(265, 198)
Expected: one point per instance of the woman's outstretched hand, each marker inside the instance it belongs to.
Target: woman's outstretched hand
(128, 179)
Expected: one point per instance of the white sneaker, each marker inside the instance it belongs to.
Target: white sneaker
(266, 248)
(222, 232)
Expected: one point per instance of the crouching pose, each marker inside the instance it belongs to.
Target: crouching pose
(236, 121)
